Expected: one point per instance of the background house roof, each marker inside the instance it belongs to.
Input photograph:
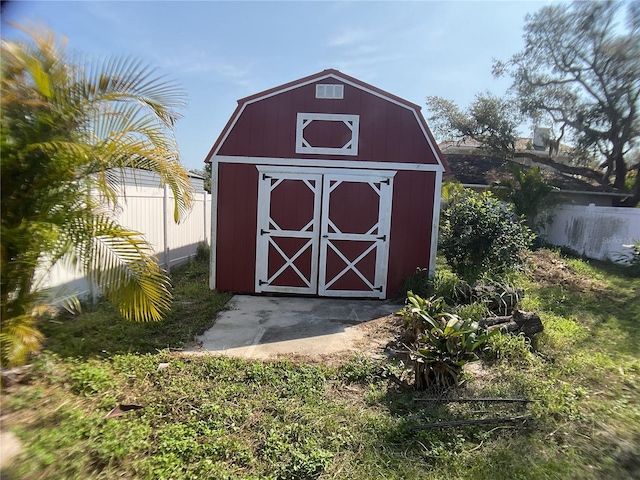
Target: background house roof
(522, 144)
(486, 170)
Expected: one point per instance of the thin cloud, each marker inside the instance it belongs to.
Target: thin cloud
(348, 38)
(200, 62)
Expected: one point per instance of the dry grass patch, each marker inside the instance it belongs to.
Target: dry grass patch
(548, 269)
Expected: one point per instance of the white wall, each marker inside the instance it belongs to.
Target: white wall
(148, 208)
(595, 232)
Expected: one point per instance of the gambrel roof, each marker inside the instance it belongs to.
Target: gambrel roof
(375, 95)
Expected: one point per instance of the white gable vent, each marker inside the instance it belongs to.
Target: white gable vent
(330, 91)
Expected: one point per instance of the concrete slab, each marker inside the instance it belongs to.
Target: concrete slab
(262, 326)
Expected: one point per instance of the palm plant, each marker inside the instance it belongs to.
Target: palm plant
(529, 193)
(69, 125)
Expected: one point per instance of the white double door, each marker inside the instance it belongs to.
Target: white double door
(323, 232)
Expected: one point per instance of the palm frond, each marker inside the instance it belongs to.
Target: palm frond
(118, 79)
(123, 265)
(18, 339)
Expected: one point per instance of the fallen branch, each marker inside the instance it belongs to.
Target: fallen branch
(466, 423)
(469, 400)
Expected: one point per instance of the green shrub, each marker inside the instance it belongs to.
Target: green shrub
(482, 236)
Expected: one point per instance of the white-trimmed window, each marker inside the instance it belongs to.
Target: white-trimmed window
(304, 145)
(332, 91)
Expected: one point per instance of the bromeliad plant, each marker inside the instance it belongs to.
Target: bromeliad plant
(445, 344)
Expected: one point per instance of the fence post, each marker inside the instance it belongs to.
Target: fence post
(204, 223)
(165, 226)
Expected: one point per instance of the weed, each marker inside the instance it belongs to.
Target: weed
(449, 286)
(419, 283)
(473, 311)
(203, 252)
(510, 348)
(90, 378)
(359, 369)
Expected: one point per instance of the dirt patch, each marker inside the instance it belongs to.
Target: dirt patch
(548, 269)
(377, 338)
(11, 447)
(386, 333)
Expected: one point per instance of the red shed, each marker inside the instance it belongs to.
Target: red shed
(324, 186)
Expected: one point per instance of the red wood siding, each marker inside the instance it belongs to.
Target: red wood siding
(237, 220)
(388, 132)
(410, 238)
(411, 220)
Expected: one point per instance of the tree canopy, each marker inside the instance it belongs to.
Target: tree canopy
(491, 121)
(580, 70)
(68, 123)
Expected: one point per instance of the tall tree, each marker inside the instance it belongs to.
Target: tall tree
(491, 121)
(69, 124)
(580, 68)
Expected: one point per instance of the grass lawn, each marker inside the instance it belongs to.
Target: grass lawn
(217, 417)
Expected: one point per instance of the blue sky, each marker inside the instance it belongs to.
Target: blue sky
(222, 51)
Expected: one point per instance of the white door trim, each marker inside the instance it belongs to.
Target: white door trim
(331, 164)
(317, 230)
(379, 235)
(267, 229)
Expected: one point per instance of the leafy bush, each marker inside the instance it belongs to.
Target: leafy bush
(480, 235)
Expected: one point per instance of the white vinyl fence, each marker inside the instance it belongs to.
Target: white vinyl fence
(595, 232)
(148, 208)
